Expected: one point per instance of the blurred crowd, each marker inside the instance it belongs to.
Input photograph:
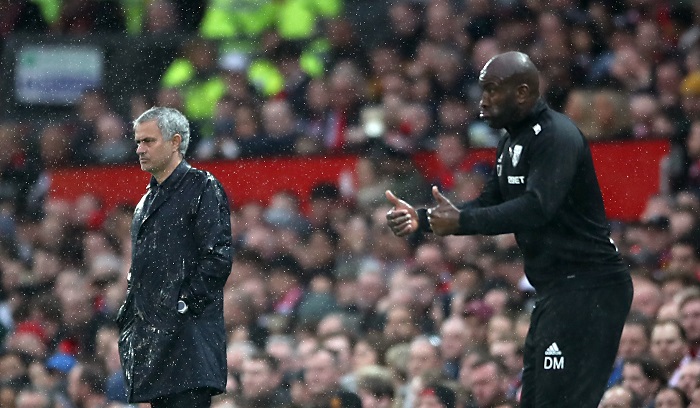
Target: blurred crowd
(324, 306)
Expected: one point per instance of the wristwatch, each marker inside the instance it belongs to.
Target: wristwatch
(181, 306)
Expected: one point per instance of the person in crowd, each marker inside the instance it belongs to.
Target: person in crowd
(375, 387)
(86, 385)
(689, 311)
(261, 383)
(634, 342)
(644, 376)
(436, 396)
(669, 347)
(488, 382)
(618, 397)
(671, 397)
(322, 378)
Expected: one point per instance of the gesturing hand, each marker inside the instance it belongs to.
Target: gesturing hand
(444, 217)
(403, 218)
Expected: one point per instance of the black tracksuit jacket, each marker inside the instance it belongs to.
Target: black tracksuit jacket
(544, 189)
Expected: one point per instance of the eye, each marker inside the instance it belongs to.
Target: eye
(488, 89)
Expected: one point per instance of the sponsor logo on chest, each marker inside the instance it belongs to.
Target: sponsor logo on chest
(516, 179)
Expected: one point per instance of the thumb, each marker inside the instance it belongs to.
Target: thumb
(392, 198)
(441, 199)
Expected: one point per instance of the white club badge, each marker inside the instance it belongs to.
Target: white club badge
(499, 166)
(515, 153)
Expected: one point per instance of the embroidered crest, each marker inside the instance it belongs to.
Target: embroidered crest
(515, 155)
(499, 166)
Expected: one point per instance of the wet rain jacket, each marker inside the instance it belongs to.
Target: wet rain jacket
(181, 248)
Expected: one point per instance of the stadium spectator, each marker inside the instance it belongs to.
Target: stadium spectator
(261, 383)
(322, 378)
(644, 376)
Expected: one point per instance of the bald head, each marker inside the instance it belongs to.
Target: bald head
(513, 68)
(510, 85)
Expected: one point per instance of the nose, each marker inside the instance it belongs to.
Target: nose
(139, 148)
(482, 101)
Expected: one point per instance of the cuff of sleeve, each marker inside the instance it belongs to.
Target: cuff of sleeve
(466, 222)
(423, 223)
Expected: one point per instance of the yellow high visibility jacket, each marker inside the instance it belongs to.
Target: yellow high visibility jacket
(200, 95)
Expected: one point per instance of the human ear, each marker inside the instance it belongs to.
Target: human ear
(176, 140)
(522, 92)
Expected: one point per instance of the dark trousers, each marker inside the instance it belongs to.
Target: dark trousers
(571, 345)
(196, 398)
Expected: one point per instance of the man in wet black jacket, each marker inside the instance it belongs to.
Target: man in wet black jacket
(544, 190)
(172, 341)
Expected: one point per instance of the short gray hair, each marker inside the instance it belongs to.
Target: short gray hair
(171, 122)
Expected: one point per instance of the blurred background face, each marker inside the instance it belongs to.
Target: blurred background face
(689, 377)
(454, 337)
(257, 378)
(616, 397)
(690, 319)
(486, 384)
(422, 358)
(668, 398)
(667, 345)
(633, 341)
(633, 378)
(277, 118)
(320, 373)
(342, 346)
(399, 325)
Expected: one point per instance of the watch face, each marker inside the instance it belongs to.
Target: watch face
(181, 306)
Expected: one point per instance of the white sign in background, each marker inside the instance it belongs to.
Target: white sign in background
(56, 74)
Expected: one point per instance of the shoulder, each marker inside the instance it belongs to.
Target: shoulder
(209, 185)
(555, 127)
(201, 182)
(202, 177)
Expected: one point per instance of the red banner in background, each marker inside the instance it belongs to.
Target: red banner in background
(628, 173)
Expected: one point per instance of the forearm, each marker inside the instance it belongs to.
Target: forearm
(524, 212)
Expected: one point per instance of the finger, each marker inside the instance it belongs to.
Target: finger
(441, 199)
(394, 215)
(392, 198)
(403, 230)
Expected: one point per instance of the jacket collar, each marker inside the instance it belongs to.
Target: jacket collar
(173, 178)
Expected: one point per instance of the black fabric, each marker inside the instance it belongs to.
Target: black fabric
(545, 190)
(197, 398)
(181, 248)
(568, 365)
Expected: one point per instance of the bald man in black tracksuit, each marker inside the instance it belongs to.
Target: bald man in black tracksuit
(544, 190)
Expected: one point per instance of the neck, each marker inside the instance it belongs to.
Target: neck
(163, 175)
(522, 114)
